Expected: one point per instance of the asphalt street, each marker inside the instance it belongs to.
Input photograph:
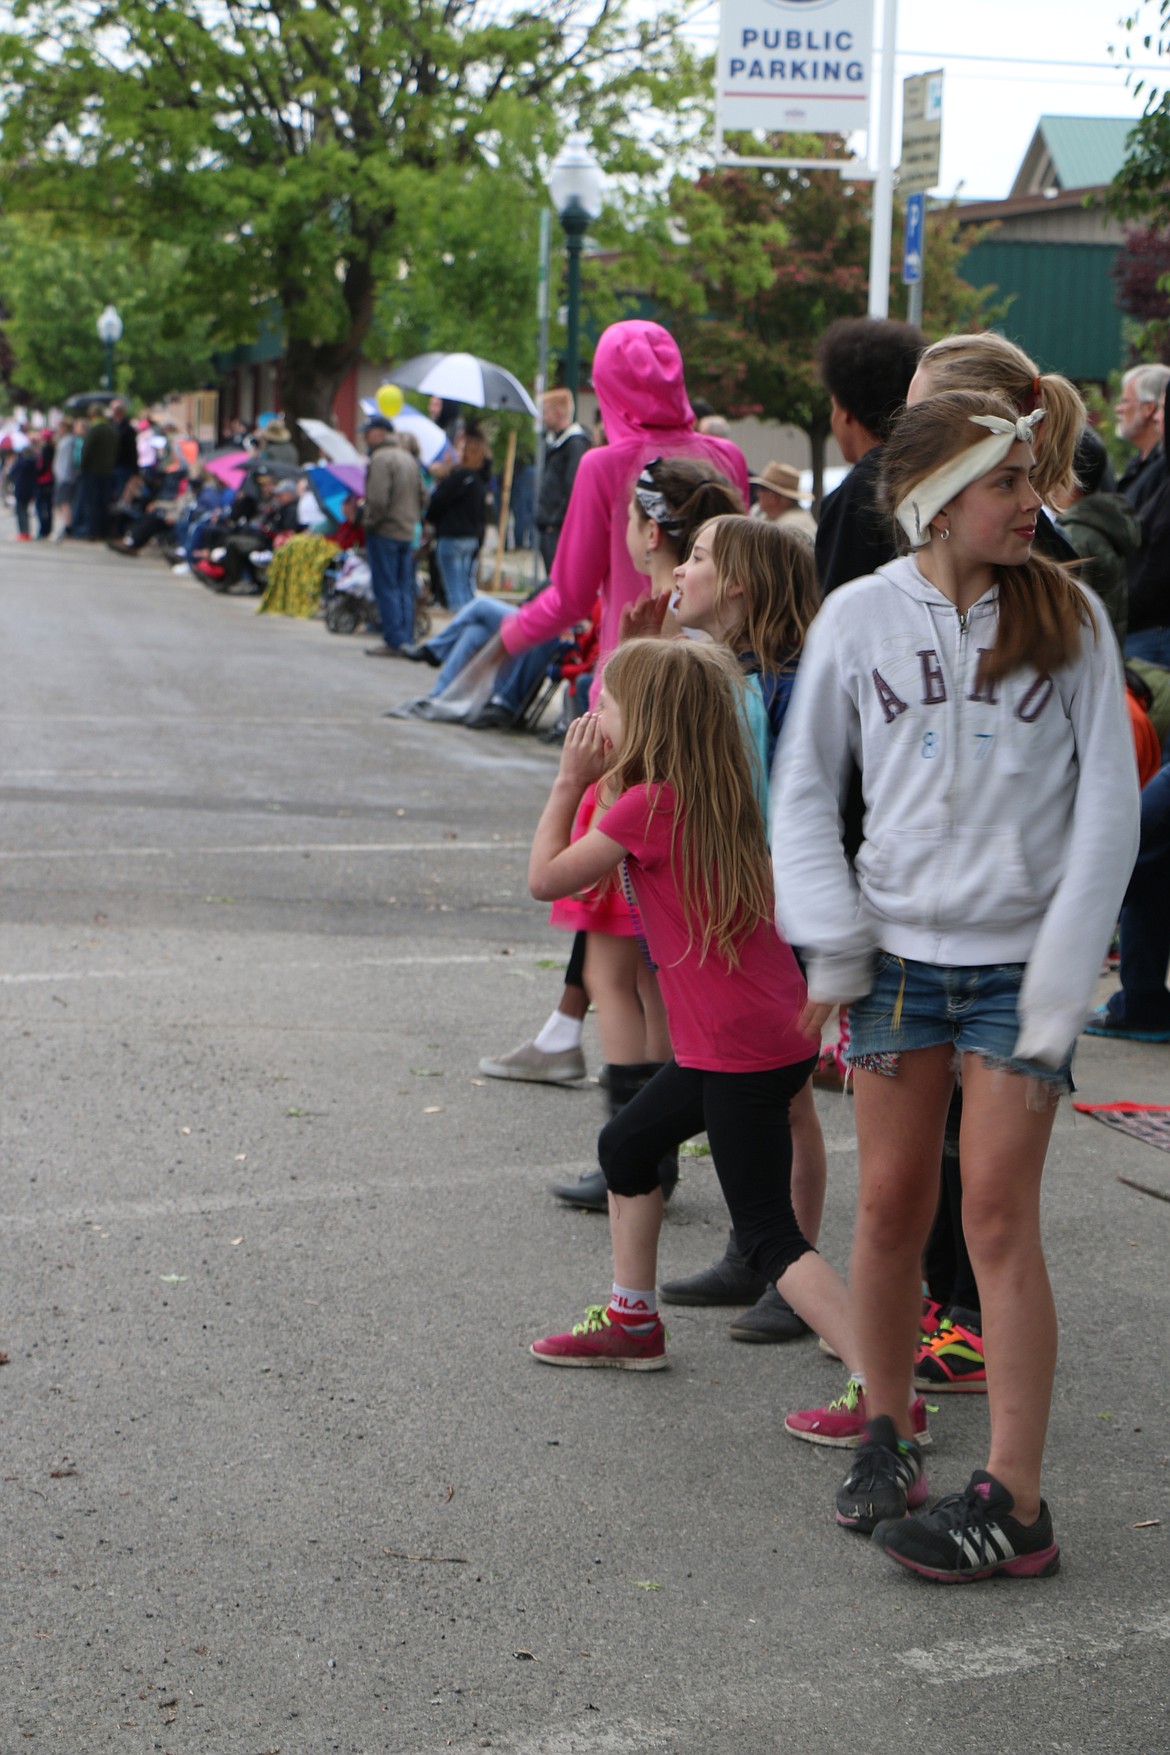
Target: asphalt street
(278, 1471)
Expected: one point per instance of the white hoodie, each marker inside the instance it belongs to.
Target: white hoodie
(1001, 821)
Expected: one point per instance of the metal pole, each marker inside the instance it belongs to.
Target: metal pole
(541, 379)
(575, 221)
(108, 378)
(883, 188)
(914, 303)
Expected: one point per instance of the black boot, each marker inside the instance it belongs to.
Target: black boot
(771, 1318)
(727, 1281)
(590, 1191)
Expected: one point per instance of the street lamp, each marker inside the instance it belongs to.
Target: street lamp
(109, 328)
(575, 187)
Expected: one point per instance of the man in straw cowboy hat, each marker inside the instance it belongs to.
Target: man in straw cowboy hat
(778, 499)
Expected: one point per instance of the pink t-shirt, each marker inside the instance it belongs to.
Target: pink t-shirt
(721, 1019)
(601, 908)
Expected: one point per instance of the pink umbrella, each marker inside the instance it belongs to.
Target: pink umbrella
(231, 468)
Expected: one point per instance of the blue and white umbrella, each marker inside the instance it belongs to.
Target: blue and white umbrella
(432, 440)
(463, 377)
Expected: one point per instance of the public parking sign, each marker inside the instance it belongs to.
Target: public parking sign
(794, 66)
(915, 227)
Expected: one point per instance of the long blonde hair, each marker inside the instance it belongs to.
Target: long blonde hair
(777, 577)
(681, 727)
(997, 366)
(1041, 608)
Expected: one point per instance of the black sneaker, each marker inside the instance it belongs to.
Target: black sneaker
(972, 1535)
(885, 1479)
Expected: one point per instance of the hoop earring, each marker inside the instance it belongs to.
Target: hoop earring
(944, 535)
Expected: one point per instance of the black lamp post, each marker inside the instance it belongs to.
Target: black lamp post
(109, 328)
(575, 187)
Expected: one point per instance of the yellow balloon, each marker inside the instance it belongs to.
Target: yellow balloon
(390, 400)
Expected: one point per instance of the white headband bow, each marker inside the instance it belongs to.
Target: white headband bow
(933, 492)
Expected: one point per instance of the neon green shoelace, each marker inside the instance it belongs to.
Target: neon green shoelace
(847, 1403)
(596, 1318)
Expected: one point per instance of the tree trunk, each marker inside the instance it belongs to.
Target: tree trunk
(312, 377)
(315, 371)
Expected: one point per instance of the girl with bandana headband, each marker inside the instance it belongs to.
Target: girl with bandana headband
(979, 688)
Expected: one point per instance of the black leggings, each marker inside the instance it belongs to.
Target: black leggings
(745, 1117)
(575, 971)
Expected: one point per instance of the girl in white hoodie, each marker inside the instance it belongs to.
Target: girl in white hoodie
(979, 690)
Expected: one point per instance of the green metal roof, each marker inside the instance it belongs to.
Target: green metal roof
(1086, 151)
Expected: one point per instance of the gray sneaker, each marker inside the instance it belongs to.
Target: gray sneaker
(528, 1062)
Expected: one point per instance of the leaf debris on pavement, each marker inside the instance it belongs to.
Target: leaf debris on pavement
(442, 1559)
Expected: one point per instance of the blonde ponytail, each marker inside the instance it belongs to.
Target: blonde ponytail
(998, 367)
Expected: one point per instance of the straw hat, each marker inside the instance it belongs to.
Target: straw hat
(781, 478)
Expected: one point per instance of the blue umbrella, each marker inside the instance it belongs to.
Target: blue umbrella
(333, 483)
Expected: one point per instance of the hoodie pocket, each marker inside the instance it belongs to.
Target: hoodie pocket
(970, 877)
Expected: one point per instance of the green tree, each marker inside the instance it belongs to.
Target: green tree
(52, 290)
(1141, 189)
(301, 153)
(748, 267)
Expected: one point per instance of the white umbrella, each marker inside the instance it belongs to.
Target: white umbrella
(432, 440)
(463, 377)
(330, 442)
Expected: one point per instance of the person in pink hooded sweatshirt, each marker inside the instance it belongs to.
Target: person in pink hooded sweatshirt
(638, 377)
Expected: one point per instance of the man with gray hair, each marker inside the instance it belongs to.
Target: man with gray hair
(1137, 411)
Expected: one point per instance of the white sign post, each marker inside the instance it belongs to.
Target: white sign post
(806, 67)
(793, 67)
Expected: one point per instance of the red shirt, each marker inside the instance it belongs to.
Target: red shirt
(721, 1019)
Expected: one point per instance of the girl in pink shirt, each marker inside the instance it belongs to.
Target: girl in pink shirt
(685, 841)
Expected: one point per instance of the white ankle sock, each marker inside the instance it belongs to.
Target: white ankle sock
(636, 1311)
(558, 1034)
(857, 1378)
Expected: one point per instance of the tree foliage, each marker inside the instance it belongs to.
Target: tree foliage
(53, 290)
(748, 267)
(1141, 274)
(300, 150)
(1141, 188)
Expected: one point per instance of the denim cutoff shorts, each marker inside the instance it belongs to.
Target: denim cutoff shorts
(925, 1005)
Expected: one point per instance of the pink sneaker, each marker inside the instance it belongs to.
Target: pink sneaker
(843, 1423)
(598, 1340)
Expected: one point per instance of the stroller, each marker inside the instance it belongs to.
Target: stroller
(347, 599)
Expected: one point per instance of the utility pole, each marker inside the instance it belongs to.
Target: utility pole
(883, 187)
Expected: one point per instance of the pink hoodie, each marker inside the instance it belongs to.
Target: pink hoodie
(638, 376)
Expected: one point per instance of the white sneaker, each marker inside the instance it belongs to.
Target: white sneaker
(181, 570)
(532, 1064)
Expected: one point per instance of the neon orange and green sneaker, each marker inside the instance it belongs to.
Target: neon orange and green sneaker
(951, 1362)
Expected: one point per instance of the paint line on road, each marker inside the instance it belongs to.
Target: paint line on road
(287, 847)
(31, 977)
(270, 1200)
(179, 719)
(978, 1660)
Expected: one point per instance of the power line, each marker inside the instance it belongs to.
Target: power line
(1160, 66)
